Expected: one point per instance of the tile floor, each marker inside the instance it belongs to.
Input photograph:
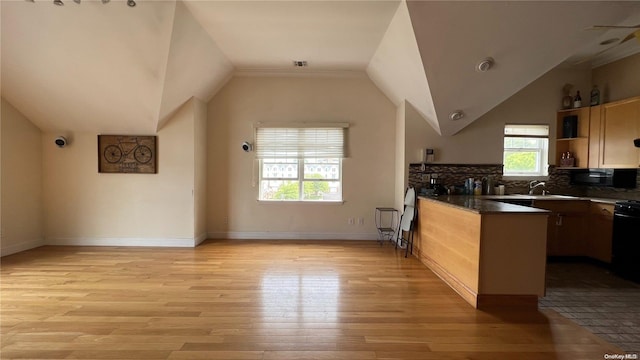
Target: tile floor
(593, 297)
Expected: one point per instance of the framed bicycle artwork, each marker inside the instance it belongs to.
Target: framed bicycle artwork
(127, 154)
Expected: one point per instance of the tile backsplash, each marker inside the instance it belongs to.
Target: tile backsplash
(558, 182)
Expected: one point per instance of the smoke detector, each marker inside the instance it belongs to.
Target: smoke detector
(300, 63)
(456, 115)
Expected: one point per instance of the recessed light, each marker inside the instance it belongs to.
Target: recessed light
(456, 115)
(485, 64)
(609, 41)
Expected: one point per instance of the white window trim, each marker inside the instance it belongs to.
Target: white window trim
(296, 150)
(543, 163)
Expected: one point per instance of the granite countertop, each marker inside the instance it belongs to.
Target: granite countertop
(483, 205)
(487, 204)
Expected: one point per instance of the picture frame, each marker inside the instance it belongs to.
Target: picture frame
(135, 154)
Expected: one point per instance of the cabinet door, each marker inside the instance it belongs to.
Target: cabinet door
(600, 232)
(594, 136)
(620, 125)
(571, 235)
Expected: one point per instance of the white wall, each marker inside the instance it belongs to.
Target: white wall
(368, 173)
(21, 198)
(84, 207)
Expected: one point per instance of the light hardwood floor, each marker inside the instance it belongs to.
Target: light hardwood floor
(260, 300)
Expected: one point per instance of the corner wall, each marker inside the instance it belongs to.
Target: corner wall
(84, 207)
(21, 192)
(368, 172)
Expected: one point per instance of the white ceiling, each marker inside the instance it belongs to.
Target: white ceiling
(110, 68)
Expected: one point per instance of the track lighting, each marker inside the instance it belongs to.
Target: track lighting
(130, 3)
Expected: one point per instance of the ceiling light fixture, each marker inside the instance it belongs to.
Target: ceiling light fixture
(105, 1)
(485, 64)
(131, 3)
(58, 2)
(77, 1)
(456, 115)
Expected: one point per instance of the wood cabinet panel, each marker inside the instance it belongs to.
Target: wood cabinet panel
(620, 124)
(595, 123)
(566, 226)
(599, 238)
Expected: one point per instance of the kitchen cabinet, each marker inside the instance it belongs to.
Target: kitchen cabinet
(566, 226)
(619, 125)
(578, 146)
(600, 231)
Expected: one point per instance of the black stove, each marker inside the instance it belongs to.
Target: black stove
(626, 239)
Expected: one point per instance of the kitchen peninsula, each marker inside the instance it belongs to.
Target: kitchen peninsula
(491, 253)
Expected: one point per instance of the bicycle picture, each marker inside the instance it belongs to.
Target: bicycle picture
(114, 153)
(127, 154)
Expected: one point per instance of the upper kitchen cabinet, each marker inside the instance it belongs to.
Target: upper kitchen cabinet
(619, 126)
(572, 136)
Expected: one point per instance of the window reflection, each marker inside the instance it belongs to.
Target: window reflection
(304, 297)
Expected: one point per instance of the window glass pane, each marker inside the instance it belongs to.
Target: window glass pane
(322, 190)
(280, 169)
(279, 190)
(322, 169)
(521, 161)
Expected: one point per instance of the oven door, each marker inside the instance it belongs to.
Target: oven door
(626, 246)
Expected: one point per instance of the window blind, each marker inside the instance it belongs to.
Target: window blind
(529, 131)
(300, 143)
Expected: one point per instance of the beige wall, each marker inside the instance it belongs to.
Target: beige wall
(368, 172)
(84, 207)
(482, 141)
(618, 80)
(401, 168)
(200, 170)
(21, 162)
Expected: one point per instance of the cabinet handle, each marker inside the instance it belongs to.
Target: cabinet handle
(559, 220)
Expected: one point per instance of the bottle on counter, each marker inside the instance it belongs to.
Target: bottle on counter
(577, 101)
(477, 190)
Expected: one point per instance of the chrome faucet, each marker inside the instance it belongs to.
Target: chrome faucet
(534, 184)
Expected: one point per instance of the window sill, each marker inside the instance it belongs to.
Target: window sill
(296, 202)
(525, 177)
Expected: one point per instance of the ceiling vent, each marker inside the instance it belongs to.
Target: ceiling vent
(300, 63)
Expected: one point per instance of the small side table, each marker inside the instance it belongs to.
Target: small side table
(386, 223)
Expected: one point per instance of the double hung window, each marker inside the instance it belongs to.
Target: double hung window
(300, 163)
(526, 150)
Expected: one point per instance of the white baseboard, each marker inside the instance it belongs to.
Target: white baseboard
(16, 248)
(268, 235)
(150, 242)
(200, 238)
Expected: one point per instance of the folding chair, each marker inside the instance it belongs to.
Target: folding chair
(405, 228)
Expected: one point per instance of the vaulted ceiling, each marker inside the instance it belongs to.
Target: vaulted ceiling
(109, 68)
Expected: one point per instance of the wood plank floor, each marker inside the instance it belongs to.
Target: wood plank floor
(260, 300)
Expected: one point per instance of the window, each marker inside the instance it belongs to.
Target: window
(300, 164)
(526, 150)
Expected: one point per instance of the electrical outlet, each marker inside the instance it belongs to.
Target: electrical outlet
(360, 221)
(350, 221)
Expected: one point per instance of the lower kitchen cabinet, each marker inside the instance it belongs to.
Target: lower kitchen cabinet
(566, 227)
(600, 231)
